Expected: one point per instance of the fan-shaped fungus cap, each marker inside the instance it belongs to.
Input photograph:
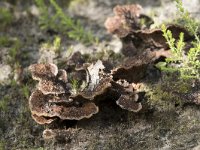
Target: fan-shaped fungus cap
(43, 71)
(129, 102)
(115, 25)
(155, 37)
(42, 119)
(99, 89)
(51, 87)
(124, 21)
(131, 11)
(133, 69)
(41, 107)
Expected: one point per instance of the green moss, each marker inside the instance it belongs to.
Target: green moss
(2, 145)
(5, 17)
(25, 91)
(14, 46)
(168, 93)
(4, 103)
(74, 3)
(5, 41)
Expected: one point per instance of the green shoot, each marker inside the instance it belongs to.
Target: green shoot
(187, 64)
(75, 86)
(62, 23)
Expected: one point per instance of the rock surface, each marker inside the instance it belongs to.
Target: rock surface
(112, 128)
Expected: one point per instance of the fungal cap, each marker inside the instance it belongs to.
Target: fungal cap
(129, 103)
(124, 10)
(41, 108)
(43, 71)
(87, 110)
(51, 87)
(42, 119)
(99, 89)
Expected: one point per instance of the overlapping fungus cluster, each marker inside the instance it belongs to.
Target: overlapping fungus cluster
(58, 96)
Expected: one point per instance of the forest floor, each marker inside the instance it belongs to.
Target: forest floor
(21, 43)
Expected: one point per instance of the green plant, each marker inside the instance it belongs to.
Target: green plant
(186, 63)
(190, 23)
(75, 86)
(4, 103)
(62, 23)
(5, 41)
(54, 46)
(25, 91)
(14, 46)
(5, 17)
(168, 93)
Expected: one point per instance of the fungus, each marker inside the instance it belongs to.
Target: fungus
(51, 80)
(97, 83)
(62, 75)
(51, 87)
(155, 37)
(41, 108)
(53, 100)
(136, 37)
(48, 134)
(126, 18)
(99, 89)
(134, 68)
(43, 71)
(93, 73)
(42, 119)
(128, 98)
(129, 102)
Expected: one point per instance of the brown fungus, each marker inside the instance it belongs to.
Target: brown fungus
(129, 102)
(133, 69)
(155, 36)
(97, 82)
(42, 119)
(41, 108)
(43, 71)
(128, 18)
(51, 87)
(54, 100)
(99, 89)
(125, 19)
(62, 75)
(51, 80)
(136, 37)
(128, 98)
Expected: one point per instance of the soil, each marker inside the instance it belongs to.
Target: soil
(112, 128)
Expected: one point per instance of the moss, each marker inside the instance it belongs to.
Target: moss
(5, 41)
(25, 91)
(2, 145)
(54, 45)
(4, 103)
(5, 17)
(168, 93)
(14, 45)
(74, 3)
